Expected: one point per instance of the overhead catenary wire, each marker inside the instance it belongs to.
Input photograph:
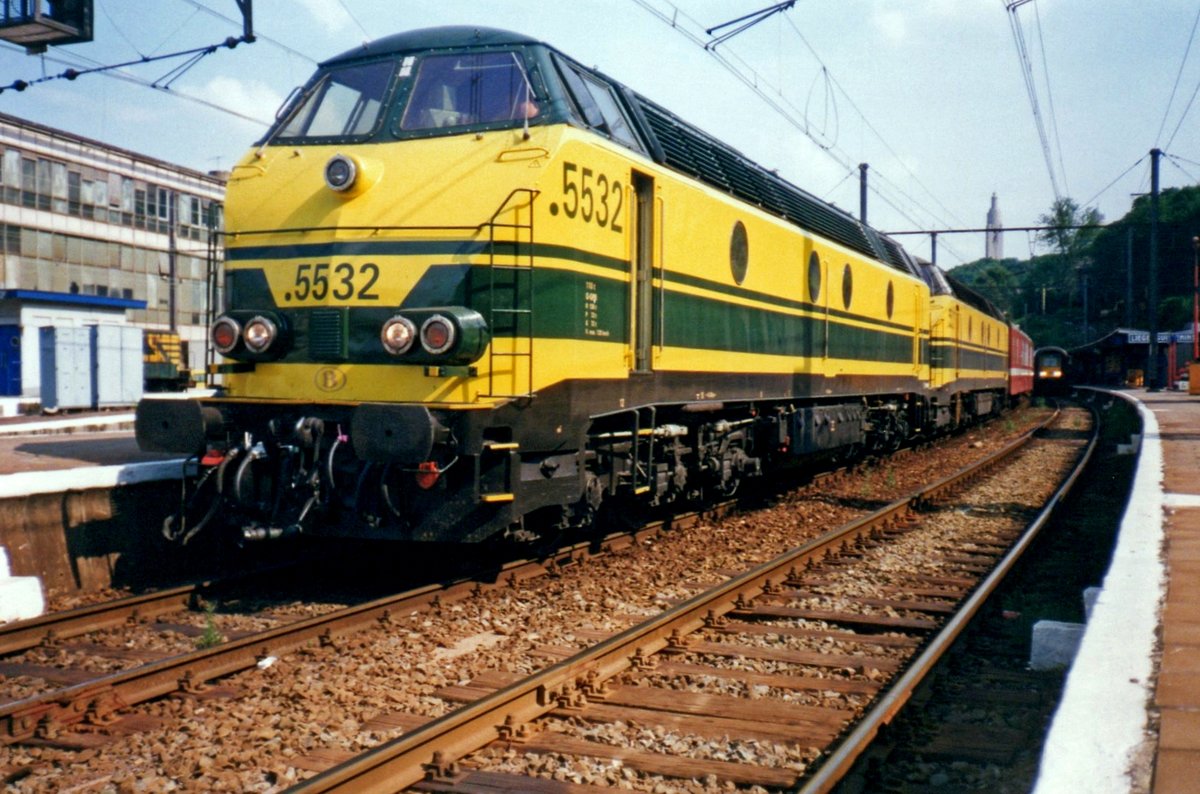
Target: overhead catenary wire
(1118, 178)
(1026, 65)
(117, 28)
(1062, 167)
(170, 35)
(237, 23)
(1187, 109)
(354, 19)
(1175, 162)
(866, 121)
(116, 74)
(1174, 88)
(1184, 159)
(691, 29)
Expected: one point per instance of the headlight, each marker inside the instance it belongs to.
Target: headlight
(437, 334)
(340, 173)
(398, 335)
(225, 334)
(259, 334)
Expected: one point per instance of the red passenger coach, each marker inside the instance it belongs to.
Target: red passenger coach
(1020, 363)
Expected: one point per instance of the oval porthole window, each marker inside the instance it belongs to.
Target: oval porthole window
(739, 253)
(814, 277)
(847, 286)
(891, 300)
(970, 328)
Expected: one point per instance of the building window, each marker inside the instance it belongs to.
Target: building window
(28, 183)
(74, 192)
(43, 186)
(58, 187)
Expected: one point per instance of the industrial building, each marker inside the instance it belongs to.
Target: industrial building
(92, 234)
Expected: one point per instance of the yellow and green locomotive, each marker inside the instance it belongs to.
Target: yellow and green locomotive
(473, 287)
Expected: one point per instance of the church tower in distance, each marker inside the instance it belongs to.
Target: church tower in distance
(994, 247)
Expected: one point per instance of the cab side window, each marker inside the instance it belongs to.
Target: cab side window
(598, 105)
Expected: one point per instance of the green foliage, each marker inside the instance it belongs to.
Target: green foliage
(1065, 236)
(1045, 293)
(211, 637)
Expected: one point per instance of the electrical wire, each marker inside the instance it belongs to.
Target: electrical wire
(171, 35)
(1037, 16)
(128, 78)
(1174, 161)
(867, 122)
(237, 23)
(842, 181)
(680, 21)
(1026, 65)
(1120, 176)
(117, 28)
(1184, 159)
(346, 8)
(1178, 76)
(1183, 116)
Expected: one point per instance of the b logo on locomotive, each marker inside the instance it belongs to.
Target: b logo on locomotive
(329, 379)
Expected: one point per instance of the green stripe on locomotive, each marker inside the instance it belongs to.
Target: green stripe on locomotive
(704, 322)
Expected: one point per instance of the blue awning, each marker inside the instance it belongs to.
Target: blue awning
(71, 299)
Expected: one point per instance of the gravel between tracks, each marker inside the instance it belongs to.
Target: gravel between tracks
(322, 699)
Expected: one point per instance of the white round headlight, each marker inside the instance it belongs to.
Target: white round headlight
(398, 335)
(259, 334)
(340, 172)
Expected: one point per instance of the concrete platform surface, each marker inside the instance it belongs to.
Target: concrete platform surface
(1129, 719)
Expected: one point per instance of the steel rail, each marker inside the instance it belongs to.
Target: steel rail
(22, 635)
(98, 701)
(403, 761)
(881, 713)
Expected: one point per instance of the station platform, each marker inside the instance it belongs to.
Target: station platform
(54, 454)
(1129, 719)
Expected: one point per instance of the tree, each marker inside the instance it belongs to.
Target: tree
(1070, 229)
(1047, 300)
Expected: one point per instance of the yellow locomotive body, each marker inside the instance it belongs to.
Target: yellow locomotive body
(473, 286)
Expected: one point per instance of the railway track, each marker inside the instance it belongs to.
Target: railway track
(98, 700)
(870, 654)
(667, 649)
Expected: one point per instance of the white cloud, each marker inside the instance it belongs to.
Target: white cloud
(247, 97)
(892, 25)
(329, 16)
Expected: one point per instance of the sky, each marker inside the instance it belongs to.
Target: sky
(930, 94)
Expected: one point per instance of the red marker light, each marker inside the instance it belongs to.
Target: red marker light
(427, 474)
(225, 334)
(212, 458)
(437, 334)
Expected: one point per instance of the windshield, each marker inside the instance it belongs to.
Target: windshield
(473, 88)
(345, 102)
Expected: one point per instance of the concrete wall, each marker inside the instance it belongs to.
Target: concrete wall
(81, 541)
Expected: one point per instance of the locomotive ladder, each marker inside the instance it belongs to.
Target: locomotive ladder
(510, 293)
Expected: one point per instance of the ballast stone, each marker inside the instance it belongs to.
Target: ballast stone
(1055, 644)
(20, 596)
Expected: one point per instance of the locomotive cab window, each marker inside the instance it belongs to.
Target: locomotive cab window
(469, 89)
(598, 105)
(343, 103)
